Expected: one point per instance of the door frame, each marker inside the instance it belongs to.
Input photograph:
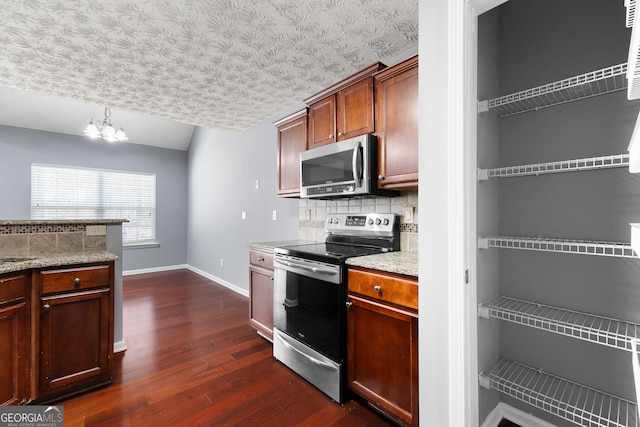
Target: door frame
(447, 242)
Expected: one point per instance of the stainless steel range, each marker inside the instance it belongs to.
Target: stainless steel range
(309, 334)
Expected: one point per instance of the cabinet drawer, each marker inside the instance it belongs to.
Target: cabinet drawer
(12, 287)
(74, 279)
(384, 287)
(261, 259)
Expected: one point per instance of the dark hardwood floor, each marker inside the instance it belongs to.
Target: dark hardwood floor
(193, 360)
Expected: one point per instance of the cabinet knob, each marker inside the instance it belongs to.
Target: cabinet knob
(331, 136)
(348, 304)
(340, 133)
(76, 282)
(46, 307)
(377, 288)
(381, 178)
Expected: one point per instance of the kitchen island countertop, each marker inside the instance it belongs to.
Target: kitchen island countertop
(27, 262)
(392, 262)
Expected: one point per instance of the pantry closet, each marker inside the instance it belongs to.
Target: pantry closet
(558, 283)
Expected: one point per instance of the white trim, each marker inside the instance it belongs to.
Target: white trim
(119, 346)
(241, 291)
(141, 245)
(154, 269)
(523, 419)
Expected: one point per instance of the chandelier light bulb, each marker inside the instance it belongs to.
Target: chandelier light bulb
(105, 130)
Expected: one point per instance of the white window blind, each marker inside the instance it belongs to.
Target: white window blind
(61, 192)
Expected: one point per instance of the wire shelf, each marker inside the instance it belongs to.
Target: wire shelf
(581, 247)
(535, 169)
(631, 12)
(594, 83)
(588, 327)
(571, 401)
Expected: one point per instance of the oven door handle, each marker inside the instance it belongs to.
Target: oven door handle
(307, 268)
(306, 356)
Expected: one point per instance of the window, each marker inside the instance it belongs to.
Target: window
(61, 192)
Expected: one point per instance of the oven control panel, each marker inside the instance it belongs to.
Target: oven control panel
(360, 223)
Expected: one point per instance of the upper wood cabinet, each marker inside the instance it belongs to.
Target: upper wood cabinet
(396, 107)
(343, 110)
(292, 139)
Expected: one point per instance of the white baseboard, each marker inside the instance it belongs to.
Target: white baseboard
(154, 269)
(241, 291)
(119, 346)
(211, 277)
(524, 419)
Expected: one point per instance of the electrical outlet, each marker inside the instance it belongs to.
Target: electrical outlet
(221, 262)
(96, 230)
(274, 215)
(307, 214)
(257, 184)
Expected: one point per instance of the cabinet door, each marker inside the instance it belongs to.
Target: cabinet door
(292, 139)
(74, 341)
(397, 109)
(261, 300)
(382, 357)
(13, 354)
(355, 110)
(322, 122)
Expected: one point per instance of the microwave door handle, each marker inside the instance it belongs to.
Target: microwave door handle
(356, 165)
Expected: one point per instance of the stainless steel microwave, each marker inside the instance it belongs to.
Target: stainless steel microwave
(341, 169)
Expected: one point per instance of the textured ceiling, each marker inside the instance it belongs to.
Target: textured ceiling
(225, 64)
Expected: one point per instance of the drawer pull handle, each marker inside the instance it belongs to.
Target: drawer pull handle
(377, 288)
(46, 307)
(260, 259)
(76, 282)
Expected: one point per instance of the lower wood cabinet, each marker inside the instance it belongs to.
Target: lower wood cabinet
(382, 342)
(56, 332)
(14, 338)
(74, 329)
(261, 292)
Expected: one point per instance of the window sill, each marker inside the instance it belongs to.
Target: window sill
(141, 245)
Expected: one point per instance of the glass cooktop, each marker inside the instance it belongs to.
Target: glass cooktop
(329, 252)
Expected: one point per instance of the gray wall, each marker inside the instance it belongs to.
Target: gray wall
(538, 47)
(223, 168)
(21, 147)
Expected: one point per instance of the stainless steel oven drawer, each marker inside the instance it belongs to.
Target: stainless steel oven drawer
(314, 367)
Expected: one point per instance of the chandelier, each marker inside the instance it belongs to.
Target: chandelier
(105, 130)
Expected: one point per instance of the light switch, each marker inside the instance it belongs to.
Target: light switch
(274, 215)
(244, 214)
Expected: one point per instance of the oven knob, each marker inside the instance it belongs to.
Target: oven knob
(370, 222)
(386, 221)
(378, 221)
(336, 220)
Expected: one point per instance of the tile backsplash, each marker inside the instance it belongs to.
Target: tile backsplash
(313, 213)
(37, 239)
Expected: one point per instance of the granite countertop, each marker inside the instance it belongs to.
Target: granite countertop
(60, 221)
(270, 246)
(27, 262)
(392, 262)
